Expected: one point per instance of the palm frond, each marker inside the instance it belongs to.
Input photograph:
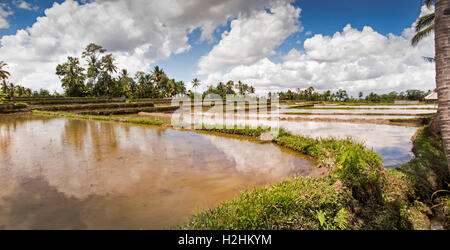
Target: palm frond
(429, 59)
(424, 21)
(421, 35)
(429, 3)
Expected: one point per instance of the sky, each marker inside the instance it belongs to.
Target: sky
(357, 45)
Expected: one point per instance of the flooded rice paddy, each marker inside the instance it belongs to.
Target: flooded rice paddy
(58, 173)
(359, 111)
(393, 143)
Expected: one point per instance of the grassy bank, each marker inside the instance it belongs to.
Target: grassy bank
(148, 121)
(358, 193)
(8, 107)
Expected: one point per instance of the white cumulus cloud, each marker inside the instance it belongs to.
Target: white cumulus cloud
(252, 38)
(138, 32)
(356, 60)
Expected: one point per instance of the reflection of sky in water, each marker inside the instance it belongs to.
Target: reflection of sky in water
(378, 106)
(393, 143)
(358, 111)
(72, 174)
(340, 117)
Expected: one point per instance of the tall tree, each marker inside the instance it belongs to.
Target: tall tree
(3, 76)
(108, 67)
(442, 50)
(92, 54)
(158, 73)
(72, 76)
(195, 83)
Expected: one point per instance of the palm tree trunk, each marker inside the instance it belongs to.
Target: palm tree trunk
(442, 43)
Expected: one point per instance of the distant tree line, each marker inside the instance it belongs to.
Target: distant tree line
(97, 78)
(9, 90)
(229, 88)
(309, 94)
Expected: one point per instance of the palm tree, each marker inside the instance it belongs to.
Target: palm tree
(108, 68)
(11, 90)
(195, 83)
(442, 50)
(72, 76)
(3, 73)
(158, 73)
(108, 64)
(425, 25)
(252, 90)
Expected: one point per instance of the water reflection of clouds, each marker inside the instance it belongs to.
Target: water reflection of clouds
(251, 158)
(388, 141)
(84, 158)
(359, 111)
(379, 137)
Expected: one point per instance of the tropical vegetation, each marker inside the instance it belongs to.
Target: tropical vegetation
(309, 94)
(98, 77)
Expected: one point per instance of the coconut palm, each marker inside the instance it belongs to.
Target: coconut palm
(157, 73)
(442, 50)
(424, 26)
(108, 64)
(195, 83)
(3, 73)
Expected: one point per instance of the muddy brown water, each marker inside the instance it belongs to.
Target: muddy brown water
(58, 173)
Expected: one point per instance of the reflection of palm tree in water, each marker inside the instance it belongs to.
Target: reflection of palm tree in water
(75, 132)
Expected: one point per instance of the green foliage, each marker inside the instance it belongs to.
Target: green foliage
(379, 199)
(341, 95)
(229, 88)
(72, 77)
(96, 78)
(296, 203)
(247, 131)
(424, 25)
(8, 107)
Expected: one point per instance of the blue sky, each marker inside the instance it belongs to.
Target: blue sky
(324, 17)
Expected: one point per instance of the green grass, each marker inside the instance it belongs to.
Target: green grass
(147, 121)
(296, 203)
(7, 107)
(358, 193)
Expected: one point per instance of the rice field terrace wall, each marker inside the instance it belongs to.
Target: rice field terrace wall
(95, 106)
(11, 107)
(129, 110)
(70, 101)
